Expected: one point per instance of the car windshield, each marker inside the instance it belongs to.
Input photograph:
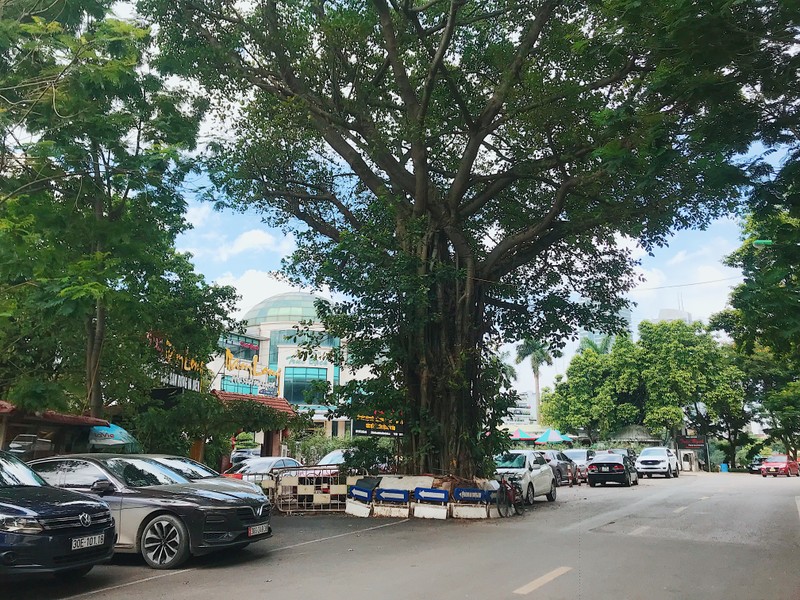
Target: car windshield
(332, 458)
(141, 472)
(255, 466)
(778, 458)
(187, 467)
(758, 460)
(510, 461)
(619, 451)
(653, 452)
(15, 473)
(576, 454)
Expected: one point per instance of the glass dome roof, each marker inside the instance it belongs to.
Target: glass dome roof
(291, 307)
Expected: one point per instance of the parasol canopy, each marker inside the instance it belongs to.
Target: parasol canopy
(552, 436)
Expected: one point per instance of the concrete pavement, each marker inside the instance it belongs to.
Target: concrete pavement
(709, 536)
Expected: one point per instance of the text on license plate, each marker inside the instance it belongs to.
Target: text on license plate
(88, 541)
(604, 469)
(258, 529)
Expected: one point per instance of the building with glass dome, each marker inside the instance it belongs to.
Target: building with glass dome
(264, 361)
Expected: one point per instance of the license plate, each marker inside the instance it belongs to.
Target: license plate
(88, 541)
(773, 469)
(604, 469)
(257, 529)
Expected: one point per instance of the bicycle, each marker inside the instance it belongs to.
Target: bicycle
(509, 495)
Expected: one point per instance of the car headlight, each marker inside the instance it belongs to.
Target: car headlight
(13, 524)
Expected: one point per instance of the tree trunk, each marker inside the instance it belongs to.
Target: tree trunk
(96, 332)
(442, 372)
(538, 401)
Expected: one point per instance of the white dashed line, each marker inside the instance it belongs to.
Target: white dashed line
(639, 530)
(544, 579)
(680, 509)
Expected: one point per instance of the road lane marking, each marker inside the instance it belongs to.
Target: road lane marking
(173, 573)
(704, 497)
(797, 500)
(122, 585)
(639, 530)
(680, 509)
(333, 537)
(544, 579)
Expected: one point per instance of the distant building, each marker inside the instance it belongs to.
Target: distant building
(268, 361)
(673, 314)
(598, 337)
(522, 412)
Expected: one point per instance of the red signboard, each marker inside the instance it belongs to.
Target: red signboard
(691, 442)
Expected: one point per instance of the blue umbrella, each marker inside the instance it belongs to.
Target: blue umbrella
(552, 436)
(112, 439)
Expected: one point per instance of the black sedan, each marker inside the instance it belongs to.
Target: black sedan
(160, 513)
(609, 466)
(44, 529)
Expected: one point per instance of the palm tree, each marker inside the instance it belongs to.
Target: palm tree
(539, 354)
(600, 347)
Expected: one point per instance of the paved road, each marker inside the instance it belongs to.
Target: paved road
(719, 536)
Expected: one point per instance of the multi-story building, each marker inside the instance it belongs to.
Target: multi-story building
(268, 360)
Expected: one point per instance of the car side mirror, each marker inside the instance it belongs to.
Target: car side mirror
(102, 486)
(530, 467)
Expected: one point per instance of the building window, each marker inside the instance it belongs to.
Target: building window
(296, 380)
(241, 346)
(334, 428)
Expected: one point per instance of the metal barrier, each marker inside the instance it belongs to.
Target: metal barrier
(310, 489)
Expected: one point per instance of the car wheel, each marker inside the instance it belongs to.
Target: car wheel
(649, 475)
(529, 495)
(764, 475)
(551, 497)
(775, 475)
(72, 574)
(559, 478)
(677, 472)
(627, 480)
(165, 542)
(592, 484)
(637, 480)
(668, 474)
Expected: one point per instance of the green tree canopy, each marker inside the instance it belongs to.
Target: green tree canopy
(463, 169)
(94, 145)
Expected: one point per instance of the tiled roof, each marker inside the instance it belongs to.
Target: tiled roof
(51, 416)
(279, 404)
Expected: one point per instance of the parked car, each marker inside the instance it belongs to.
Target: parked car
(197, 471)
(266, 465)
(779, 464)
(242, 454)
(755, 465)
(659, 460)
(581, 457)
(562, 466)
(536, 477)
(625, 452)
(44, 529)
(614, 467)
(160, 513)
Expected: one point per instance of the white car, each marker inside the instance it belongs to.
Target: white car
(659, 460)
(535, 475)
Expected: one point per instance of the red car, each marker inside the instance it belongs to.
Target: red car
(779, 464)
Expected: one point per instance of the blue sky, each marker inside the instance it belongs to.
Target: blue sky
(239, 250)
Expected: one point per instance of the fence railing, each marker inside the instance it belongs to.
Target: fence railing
(308, 489)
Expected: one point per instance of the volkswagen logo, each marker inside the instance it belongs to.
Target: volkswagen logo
(85, 519)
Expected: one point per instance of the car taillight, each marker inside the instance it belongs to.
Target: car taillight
(593, 468)
(233, 475)
(618, 468)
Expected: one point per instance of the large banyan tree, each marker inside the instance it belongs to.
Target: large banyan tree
(467, 173)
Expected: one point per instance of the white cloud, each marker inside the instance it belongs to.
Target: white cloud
(198, 213)
(255, 240)
(679, 258)
(254, 286)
